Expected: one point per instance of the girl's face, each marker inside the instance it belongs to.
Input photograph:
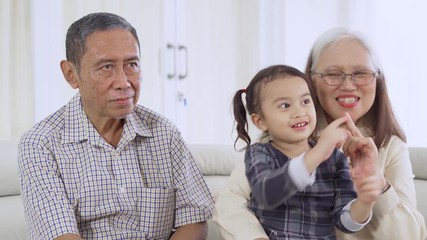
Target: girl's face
(349, 56)
(288, 112)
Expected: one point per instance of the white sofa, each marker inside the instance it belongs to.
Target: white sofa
(215, 161)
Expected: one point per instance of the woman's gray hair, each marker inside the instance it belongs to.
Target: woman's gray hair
(334, 35)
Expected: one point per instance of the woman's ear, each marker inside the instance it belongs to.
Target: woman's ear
(258, 121)
(70, 73)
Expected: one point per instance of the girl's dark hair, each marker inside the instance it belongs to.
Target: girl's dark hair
(380, 119)
(253, 97)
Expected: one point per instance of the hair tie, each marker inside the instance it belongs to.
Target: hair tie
(244, 90)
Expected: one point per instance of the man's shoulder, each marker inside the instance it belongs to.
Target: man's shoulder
(46, 128)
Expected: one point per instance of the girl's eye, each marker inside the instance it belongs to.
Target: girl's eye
(284, 105)
(307, 101)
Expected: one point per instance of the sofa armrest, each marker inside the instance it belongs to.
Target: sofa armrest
(418, 156)
(9, 168)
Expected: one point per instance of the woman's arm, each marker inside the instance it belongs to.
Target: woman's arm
(367, 178)
(232, 215)
(69, 236)
(191, 231)
(394, 215)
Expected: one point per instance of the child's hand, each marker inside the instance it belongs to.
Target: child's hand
(333, 136)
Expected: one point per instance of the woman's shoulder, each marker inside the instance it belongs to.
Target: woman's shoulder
(395, 144)
(395, 150)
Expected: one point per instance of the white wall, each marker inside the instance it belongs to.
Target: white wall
(401, 42)
(51, 19)
(394, 28)
(16, 70)
(285, 31)
(51, 90)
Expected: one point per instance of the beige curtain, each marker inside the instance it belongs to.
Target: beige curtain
(16, 85)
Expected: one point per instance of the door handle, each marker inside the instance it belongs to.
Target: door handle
(172, 74)
(184, 48)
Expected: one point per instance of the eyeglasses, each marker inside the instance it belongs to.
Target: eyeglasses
(336, 77)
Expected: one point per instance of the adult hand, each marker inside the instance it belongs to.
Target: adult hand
(364, 169)
(352, 127)
(366, 176)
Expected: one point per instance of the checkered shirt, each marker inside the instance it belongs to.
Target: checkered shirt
(307, 214)
(73, 181)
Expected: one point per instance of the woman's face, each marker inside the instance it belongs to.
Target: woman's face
(349, 56)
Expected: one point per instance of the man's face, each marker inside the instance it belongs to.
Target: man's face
(110, 74)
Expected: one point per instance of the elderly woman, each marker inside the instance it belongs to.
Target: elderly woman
(347, 78)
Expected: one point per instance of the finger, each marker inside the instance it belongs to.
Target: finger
(346, 145)
(352, 127)
(337, 122)
(358, 145)
(369, 183)
(370, 187)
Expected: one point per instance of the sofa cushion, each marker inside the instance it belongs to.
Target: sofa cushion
(12, 220)
(216, 159)
(8, 168)
(420, 189)
(418, 156)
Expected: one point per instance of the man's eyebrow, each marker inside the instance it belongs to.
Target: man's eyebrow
(106, 60)
(133, 58)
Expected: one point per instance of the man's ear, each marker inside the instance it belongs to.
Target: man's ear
(258, 122)
(70, 73)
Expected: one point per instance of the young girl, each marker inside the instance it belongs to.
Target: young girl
(300, 189)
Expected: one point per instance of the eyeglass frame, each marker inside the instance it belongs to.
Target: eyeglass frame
(344, 76)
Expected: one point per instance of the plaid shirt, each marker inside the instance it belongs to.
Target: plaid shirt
(73, 181)
(291, 214)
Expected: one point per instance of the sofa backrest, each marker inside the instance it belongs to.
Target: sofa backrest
(418, 157)
(9, 182)
(212, 160)
(216, 159)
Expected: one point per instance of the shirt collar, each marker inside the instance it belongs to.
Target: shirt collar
(77, 126)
